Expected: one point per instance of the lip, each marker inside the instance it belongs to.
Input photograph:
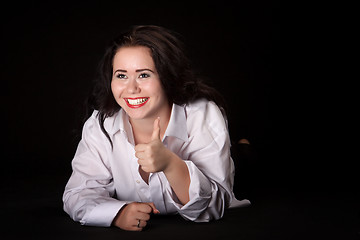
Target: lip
(137, 105)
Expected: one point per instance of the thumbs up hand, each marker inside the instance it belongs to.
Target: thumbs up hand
(153, 156)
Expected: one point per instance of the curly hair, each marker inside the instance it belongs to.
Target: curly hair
(178, 80)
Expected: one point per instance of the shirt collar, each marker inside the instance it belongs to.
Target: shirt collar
(120, 122)
(177, 126)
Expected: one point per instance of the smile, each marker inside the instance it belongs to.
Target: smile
(136, 102)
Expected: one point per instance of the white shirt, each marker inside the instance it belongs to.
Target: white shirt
(104, 179)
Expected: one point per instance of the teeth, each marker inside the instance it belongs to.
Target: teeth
(137, 101)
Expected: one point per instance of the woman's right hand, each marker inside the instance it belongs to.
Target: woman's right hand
(134, 216)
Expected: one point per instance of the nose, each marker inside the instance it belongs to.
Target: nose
(133, 87)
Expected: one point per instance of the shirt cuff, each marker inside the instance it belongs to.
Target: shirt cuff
(103, 214)
(199, 192)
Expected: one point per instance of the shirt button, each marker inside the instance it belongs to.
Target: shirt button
(137, 181)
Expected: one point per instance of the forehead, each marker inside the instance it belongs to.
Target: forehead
(133, 56)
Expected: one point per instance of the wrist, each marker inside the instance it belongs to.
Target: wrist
(173, 163)
(177, 173)
(116, 219)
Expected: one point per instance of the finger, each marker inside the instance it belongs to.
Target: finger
(144, 167)
(148, 207)
(154, 209)
(140, 147)
(137, 225)
(156, 132)
(135, 229)
(141, 224)
(143, 216)
(140, 155)
(144, 208)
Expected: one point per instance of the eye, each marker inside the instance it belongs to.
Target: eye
(121, 76)
(144, 75)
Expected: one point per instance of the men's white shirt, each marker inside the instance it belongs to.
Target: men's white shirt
(104, 179)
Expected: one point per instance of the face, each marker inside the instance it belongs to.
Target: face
(136, 85)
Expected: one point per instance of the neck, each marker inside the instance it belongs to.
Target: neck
(143, 128)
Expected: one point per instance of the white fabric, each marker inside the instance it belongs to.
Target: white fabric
(105, 179)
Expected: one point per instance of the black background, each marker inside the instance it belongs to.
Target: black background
(50, 52)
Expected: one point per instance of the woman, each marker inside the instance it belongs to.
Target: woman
(156, 142)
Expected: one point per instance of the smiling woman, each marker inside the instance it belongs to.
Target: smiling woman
(156, 141)
(136, 86)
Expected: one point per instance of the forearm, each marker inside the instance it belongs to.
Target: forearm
(177, 174)
(208, 198)
(98, 210)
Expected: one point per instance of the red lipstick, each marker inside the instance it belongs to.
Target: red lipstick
(136, 102)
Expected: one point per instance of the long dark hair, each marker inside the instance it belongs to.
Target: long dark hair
(178, 80)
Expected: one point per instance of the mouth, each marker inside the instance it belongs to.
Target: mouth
(136, 102)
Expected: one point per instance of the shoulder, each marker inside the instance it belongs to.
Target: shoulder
(92, 124)
(205, 113)
(205, 108)
(91, 128)
(202, 104)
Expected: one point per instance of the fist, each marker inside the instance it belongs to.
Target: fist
(153, 156)
(134, 216)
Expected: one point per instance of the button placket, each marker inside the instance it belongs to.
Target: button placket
(156, 193)
(141, 187)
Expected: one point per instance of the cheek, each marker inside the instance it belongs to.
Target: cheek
(116, 88)
(161, 92)
(155, 88)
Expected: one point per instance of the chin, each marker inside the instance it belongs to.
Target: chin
(135, 116)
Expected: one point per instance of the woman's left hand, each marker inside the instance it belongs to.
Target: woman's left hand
(153, 156)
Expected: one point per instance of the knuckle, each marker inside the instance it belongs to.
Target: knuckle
(131, 206)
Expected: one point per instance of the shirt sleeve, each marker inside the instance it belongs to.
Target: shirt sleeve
(211, 169)
(210, 188)
(88, 194)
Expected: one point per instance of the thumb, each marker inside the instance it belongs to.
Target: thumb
(154, 209)
(156, 132)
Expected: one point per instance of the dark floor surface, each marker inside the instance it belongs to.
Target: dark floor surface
(31, 208)
(274, 214)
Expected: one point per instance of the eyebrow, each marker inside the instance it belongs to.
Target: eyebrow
(138, 70)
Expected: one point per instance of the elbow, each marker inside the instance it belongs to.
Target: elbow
(204, 210)
(74, 208)
(210, 214)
